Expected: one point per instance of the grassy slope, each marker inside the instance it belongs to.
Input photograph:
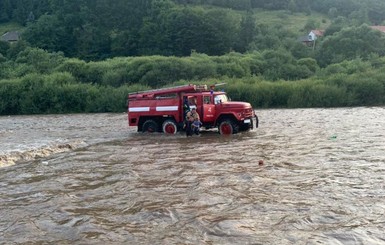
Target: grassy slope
(10, 26)
(292, 22)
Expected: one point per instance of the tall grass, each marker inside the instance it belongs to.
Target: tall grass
(57, 93)
(37, 82)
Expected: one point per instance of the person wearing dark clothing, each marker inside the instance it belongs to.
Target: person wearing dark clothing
(186, 107)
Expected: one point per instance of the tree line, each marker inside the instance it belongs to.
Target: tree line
(86, 55)
(41, 82)
(96, 30)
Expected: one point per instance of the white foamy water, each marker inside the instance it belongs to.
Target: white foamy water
(29, 137)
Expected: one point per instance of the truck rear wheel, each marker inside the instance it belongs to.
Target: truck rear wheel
(150, 126)
(169, 127)
(228, 127)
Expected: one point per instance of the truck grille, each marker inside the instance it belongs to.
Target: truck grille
(249, 112)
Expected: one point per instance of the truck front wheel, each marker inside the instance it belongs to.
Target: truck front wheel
(228, 127)
(169, 127)
(150, 126)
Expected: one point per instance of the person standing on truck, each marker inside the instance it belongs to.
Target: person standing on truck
(190, 118)
(186, 107)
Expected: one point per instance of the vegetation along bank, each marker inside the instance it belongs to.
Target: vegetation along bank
(85, 56)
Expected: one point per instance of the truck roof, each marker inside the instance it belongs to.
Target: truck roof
(205, 93)
(190, 88)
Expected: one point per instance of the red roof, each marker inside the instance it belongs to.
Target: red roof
(318, 33)
(378, 28)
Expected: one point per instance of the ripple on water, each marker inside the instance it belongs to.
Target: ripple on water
(322, 182)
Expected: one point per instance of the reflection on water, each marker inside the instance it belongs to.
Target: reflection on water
(322, 181)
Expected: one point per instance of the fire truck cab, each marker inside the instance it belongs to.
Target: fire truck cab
(164, 110)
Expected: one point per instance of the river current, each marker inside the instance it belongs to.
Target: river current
(90, 179)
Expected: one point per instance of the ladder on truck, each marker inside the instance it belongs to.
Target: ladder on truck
(176, 89)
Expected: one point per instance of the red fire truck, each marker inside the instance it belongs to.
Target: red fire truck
(164, 110)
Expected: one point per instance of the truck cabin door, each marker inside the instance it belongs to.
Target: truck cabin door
(190, 102)
(208, 109)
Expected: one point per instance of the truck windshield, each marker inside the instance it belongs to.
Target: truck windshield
(220, 98)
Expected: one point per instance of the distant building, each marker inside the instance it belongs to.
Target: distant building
(311, 37)
(11, 36)
(378, 28)
(314, 34)
(305, 40)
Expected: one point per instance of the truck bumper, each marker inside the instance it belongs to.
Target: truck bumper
(248, 123)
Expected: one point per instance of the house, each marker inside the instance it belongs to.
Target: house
(305, 40)
(378, 28)
(11, 36)
(314, 34)
(311, 37)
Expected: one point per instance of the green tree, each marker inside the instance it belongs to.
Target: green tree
(247, 32)
(376, 11)
(292, 6)
(41, 60)
(4, 46)
(351, 43)
(310, 64)
(337, 25)
(22, 9)
(311, 24)
(47, 33)
(268, 4)
(93, 43)
(184, 29)
(219, 33)
(359, 17)
(333, 12)
(5, 10)
(153, 31)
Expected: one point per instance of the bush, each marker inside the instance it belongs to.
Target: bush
(308, 94)
(367, 91)
(42, 61)
(77, 68)
(10, 97)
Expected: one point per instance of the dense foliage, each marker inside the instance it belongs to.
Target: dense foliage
(94, 30)
(86, 55)
(41, 82)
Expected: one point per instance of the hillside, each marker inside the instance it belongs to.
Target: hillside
(83, 57)
(102, 30)
(293, 22)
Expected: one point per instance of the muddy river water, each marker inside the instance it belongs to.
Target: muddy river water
(89, 179)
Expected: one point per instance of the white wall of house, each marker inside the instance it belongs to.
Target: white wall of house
(312, 36)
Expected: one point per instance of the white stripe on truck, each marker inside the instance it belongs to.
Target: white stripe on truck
(158, 108)
(166, 108)
(138, 109)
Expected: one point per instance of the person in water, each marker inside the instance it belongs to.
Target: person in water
(196, 125)
(190, 118)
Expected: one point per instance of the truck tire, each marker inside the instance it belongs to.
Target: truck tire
(150, 126)
(228, 127)
(169, 127)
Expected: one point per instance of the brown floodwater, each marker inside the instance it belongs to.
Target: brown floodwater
(90, 179)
